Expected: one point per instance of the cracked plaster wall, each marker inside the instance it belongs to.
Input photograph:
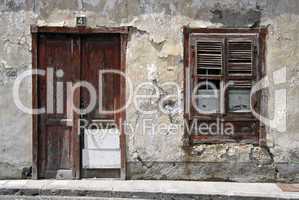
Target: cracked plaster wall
(155, 54)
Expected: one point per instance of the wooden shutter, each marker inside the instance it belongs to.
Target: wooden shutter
(209, 56)
(240, 56)
(225, 57)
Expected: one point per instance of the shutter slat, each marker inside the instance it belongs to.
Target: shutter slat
(240, 55)
(209, 67)
(242, 84)
(209, 56)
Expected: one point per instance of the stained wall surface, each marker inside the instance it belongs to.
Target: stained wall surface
(155, 54)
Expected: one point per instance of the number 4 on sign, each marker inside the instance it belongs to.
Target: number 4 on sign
(81, 21)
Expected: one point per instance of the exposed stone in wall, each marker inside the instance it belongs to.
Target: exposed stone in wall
(221, 162)
(228, 171)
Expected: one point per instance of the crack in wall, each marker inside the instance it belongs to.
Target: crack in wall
(273, 161)
(34, 6)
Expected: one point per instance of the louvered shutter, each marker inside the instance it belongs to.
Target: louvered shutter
(231, 60)
(240, 55)
(209, 56)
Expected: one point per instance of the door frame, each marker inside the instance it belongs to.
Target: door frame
(35, 32)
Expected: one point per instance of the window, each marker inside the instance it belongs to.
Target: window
(221, 67)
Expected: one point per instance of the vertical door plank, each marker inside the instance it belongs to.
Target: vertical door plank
(122, 101)
(35, 168)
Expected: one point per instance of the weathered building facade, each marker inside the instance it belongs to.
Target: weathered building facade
(155, 53)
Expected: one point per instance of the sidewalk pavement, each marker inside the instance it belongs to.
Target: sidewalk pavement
(139, 189)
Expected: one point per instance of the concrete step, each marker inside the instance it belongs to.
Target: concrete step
(123, 190)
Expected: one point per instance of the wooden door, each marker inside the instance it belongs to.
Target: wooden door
(79, 53)
(100, 52)
(100, 152)
(70, 58)
(58, 141)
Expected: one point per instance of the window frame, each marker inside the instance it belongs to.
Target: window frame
(258, 35)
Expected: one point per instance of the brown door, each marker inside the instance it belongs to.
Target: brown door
(58, 141)
(100, 53)
(100, 155)
(79, 57)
